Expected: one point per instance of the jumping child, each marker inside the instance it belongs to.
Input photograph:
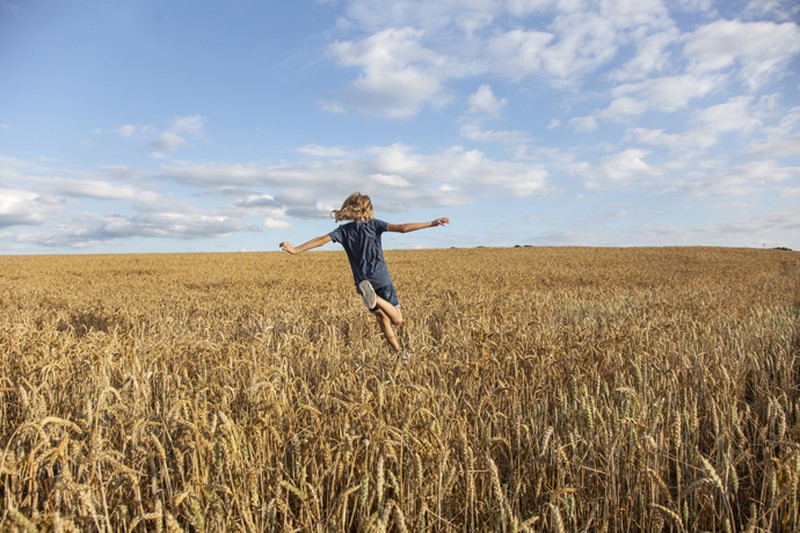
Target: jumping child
(361, 239)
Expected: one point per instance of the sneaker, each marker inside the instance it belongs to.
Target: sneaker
(368, 295)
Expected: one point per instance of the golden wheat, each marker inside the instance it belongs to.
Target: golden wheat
(561, 388)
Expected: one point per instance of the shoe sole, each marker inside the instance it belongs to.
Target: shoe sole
(368, 295)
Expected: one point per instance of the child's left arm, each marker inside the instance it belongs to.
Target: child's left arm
(287, 247)
(414, 226)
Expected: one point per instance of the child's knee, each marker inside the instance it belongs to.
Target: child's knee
(397, 320)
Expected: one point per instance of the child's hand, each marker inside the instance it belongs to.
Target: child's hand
(288, 248)
(441, 221)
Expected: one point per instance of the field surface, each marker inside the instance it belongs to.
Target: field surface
(548, 389)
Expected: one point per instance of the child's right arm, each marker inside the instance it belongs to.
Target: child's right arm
(287, 247)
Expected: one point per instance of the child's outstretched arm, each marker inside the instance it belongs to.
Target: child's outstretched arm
(287, 247)
(414, 226)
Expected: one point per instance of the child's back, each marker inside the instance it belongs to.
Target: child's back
(362, 242)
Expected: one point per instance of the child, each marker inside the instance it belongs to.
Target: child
(361, 239)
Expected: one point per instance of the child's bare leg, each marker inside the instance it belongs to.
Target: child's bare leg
(385, 324)
(392, 313)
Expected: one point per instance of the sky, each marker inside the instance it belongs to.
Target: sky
(133, 126)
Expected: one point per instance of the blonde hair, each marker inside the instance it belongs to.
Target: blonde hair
(357, 207)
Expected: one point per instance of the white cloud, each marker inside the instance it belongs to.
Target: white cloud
(780, 140)
(105, 190)
(566, 40)
(669, 93)
(126, 131)
(467, 16)
(740, 180)
(190, 125)
(760, 49)
(652, 57)
(695, 6)
(20, 207)
(274, 223)
(735, 115)
(584, 124)
(788, 10)
(390, 180)
(168, 141)
(93, 230)
(396, 159)
(637, 16)
(176, 136)
(624, 168)
(472, 171)
(624, 107)
(521, 8)
(777, 146)
(705, 126)
(483, 101)
(478, 36)
(131, 131)
(653, 137)
(791, 192)
(585, 41)
(752, 230)
(331, 106)
(518, 53)
(275, 212)
(515, 139)
(218, 174)
(314, 209)
(312, 190)
(257, 201)
(322, 151)
(398, 76)
(18, 170)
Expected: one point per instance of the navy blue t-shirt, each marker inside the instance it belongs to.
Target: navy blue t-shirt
(362, 242)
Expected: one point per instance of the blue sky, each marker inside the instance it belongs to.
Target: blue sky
(190, 126)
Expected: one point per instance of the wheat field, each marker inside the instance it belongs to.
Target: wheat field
(548, 389)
